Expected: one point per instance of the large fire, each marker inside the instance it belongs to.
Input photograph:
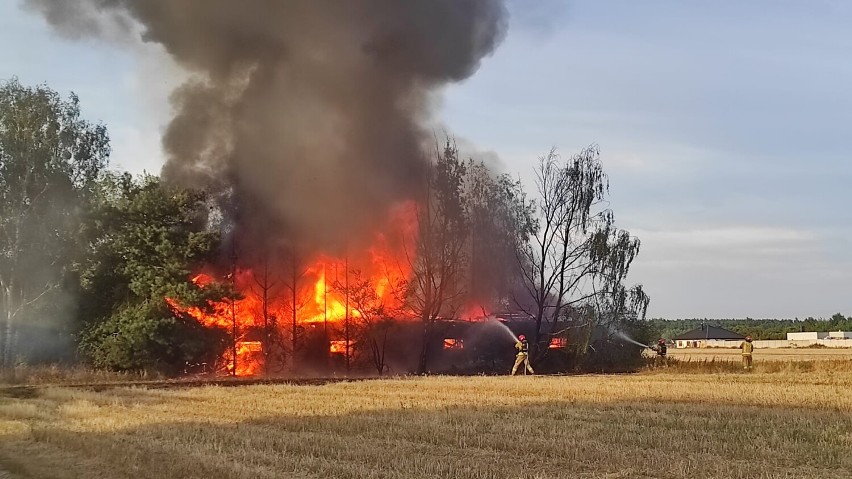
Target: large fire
(325, 290)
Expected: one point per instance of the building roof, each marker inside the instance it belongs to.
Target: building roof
(708, 332)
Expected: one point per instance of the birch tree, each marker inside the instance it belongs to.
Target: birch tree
(577, 259)
(49, 161)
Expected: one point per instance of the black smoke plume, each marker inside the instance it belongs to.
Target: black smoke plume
(312, 115)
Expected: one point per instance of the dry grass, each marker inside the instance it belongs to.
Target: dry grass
(780, 354)
(656, 424)
(729, 365)
(58, 374)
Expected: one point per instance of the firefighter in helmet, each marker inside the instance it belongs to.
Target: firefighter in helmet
(747, 348)
(661, 348)
(523, 348)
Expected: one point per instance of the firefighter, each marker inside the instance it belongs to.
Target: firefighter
(661, 348)
(661, 351)
(747, 348)
(523, 348)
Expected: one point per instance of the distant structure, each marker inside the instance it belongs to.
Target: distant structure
(832, 339)
(813, 335)
(708, 337)
(806, 336)
(715, 337)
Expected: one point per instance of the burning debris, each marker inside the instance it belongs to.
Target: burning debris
(340, 347)
(251, 361)
(337, 293)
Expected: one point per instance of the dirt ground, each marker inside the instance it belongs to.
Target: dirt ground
(785, 354)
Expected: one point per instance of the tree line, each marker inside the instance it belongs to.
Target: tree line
(92, 261)
(769, 329)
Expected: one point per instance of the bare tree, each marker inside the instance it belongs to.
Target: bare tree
(347, 319)
(576, 256)
(297, 272)
(234, 334)
(439, 259)
(267, 284)
(370, 317)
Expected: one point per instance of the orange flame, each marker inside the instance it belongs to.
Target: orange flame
(339, 347)
(474, 312)
(320, 290)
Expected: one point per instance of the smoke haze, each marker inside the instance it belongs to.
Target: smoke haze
(311, 115)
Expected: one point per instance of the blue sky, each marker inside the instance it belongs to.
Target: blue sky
(723, 126)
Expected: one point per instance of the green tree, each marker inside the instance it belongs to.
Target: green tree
(768, 328)
(146, 240)
(49, 161)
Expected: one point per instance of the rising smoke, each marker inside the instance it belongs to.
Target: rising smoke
(312, 115)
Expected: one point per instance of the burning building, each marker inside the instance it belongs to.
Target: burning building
(309, 122)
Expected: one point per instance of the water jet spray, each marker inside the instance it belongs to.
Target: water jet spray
(628, 339)
(506, 328)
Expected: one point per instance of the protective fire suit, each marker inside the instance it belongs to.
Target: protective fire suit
(523, 348)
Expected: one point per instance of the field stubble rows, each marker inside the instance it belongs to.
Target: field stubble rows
(644, 425)
(774, 354)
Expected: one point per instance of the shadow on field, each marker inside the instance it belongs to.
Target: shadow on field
(645, 438)
(24, 391)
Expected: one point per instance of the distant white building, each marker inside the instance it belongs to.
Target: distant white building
(833, 339)
(814, 336)
(708, 337)
(806, 336)
(840, 334)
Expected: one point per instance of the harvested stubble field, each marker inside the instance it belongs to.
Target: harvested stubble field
(779, 354)
(665, 424)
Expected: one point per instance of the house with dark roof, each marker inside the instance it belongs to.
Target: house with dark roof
(707, 336)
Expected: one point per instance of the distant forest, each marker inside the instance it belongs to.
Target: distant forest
(756, 328)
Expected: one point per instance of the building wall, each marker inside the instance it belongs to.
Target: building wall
(840, 334)
(765, 344)
(723, 343)
(708, 343)
(778, 343)
(806, 336)
(781, 343)
(836, 343)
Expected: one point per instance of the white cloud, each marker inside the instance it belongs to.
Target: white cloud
(732, 237)
(742, 270)
(727, 247)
